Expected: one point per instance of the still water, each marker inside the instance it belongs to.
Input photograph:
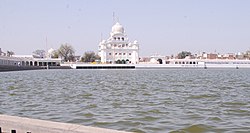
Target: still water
(152, 101)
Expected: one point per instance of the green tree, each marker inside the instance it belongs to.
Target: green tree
(66, 52)
(90, 57)
(183, 54)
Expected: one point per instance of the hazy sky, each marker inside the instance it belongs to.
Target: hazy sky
(160, 26)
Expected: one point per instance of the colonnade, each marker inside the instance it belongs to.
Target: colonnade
(19, 62)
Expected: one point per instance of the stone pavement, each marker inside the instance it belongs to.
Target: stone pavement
(24, 125)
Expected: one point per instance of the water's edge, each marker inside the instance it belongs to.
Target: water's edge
(171, 100)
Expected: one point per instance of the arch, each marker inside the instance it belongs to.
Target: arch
(160, 61)
(31, 63)
(127, 61)
(118, 61)
(40, 64)
(27, 63)
(35, 63)
(123, 62)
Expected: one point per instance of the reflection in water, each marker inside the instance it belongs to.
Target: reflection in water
(169, 100)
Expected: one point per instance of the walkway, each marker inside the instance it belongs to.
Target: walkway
(24, 125)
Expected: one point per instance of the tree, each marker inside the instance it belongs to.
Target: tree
(10, 53)
(183, 54)
(55, 54)
(39, 53)
(247, 54)
(90, 57)
(66, 52)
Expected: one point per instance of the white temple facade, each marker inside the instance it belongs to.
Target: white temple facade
(117, 49)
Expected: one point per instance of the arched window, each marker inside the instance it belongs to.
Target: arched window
(123, 62)
(118, 61)
(160, 61)
(40, 63)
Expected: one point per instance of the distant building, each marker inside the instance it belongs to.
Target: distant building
(229, 56)
(239, 56)
(212, 56)
(117, 49)
(29, 60)
(158, 59)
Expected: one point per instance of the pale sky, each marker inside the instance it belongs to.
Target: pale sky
(160, 26)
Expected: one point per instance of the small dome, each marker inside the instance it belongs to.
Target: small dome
(50, 51)
(117, 28)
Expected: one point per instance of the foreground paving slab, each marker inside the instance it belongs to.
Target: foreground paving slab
(24, 125)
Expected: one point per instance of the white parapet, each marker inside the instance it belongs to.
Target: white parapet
(23, 125)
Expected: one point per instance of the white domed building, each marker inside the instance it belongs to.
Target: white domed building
(117, 49)
(50, 52)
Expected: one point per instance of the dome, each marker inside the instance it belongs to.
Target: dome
(117, 28)
(50, 51)
(135, 42)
